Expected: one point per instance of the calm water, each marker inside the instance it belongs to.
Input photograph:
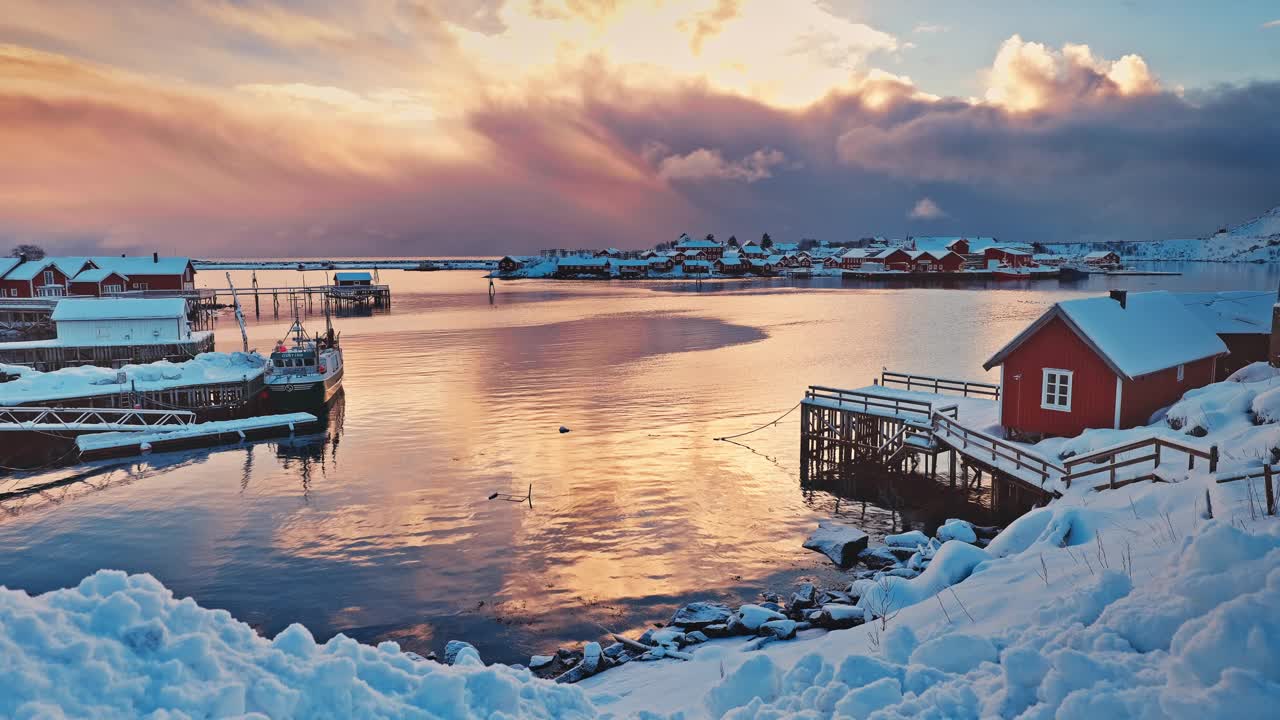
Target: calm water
(382, 528)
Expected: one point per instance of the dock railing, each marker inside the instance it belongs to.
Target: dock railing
(1109, 462)
(90, 418)
(869, 403)
(978, 445)
(937, 385)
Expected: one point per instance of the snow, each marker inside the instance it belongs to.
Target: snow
(1232, 312)
(88, 380)
(73, 309)
(95, 275)
(955, 529)
(1257, 240)
(909, 539)
(122, 646)
(352, 277)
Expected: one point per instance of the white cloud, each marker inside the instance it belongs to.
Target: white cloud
(929, 28)
(1031, 76)
(1271, 24)
(926, 209)
(705, 164)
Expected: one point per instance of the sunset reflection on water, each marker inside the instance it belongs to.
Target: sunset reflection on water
(381, 528)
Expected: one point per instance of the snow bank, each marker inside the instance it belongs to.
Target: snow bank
(214, 367)
(121, 646)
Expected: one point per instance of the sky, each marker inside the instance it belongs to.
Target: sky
(219, 128)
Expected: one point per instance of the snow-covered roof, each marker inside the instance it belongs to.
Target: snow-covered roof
(96, 275)
(773, 259)
(352, 277)
(757, 262)
(786, 247)
(1152, 332)
(580, 261)
(685, 243)
(29, 269)
(856, 253)
(730, 258)
(659, 259)
(1098, 254)
(629, 263)
(73, 309)
(7, 264)
(944, 242)
(143, 265)
(1233, 312)
(1047, 256)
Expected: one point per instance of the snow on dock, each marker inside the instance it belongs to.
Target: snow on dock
(121, 444)
(87, 381)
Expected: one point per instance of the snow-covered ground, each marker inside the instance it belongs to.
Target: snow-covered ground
(1257, 240)
(214, 367)
(1122, 603)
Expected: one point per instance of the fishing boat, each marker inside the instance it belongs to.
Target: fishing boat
(306, 375)
(1008, 273)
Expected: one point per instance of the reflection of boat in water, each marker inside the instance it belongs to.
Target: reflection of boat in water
(306, 376)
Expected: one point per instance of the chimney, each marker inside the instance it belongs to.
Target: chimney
(155, 258)
(22, 257)
(1120, 296)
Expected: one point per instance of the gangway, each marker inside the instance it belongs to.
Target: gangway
(51, 419)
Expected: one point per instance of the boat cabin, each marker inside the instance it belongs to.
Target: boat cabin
(1102, 362)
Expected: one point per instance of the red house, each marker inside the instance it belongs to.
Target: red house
(1008, 257)
(152, 273)
(1102, 362)
(935, 261)
(894, 259)
(34, 278)
(98, 282)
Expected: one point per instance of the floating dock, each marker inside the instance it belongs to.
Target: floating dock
(125, 444)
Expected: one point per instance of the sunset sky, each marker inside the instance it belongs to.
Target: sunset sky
(406, 127)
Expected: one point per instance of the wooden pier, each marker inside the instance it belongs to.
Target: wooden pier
(895, 432)
(208, 401)
(49, 355)
(307, 298)
(125, 444)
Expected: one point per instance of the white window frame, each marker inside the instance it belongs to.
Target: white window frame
(48, 277)
(1182, 372)
(1044, 385)
(115, 288)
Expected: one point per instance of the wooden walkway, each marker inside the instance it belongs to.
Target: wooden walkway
(88, 419)
(902, 431)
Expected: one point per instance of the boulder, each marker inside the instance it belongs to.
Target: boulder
(771, 605)
(878, 558)
(902, 553)
(668, 637)
(906, 573)
(804, 597)
(716, 630)
(537, 662)
(838, 617)
(833, 596)
(698, 615)
(780, 629)
(751, 617)
(591, 653)
(839, 542)
(615, 651)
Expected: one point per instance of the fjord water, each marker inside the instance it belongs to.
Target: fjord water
(382, 529)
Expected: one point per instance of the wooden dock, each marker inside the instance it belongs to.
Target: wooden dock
(118, 444)
(913, 429)
(922, 431)
(208, 401)
(50, 355)
(307, 298)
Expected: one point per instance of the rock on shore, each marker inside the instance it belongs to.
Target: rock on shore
(838, 541)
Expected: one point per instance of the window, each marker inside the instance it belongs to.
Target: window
(48, 277)
(140, 286)
(1057, 390)
(13, 292)
(1182, 372)
(112, 288)
(104, 331)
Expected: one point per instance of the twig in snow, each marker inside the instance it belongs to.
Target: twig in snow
(1134, 508)
(1043, 572)
(938, 597)
(961, 604)
(1088, 564)
(1102, 551)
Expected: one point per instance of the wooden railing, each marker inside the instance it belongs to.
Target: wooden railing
(1267, 473)
(979, 445)
(869, 402)
(938, 385)
(1110, 463)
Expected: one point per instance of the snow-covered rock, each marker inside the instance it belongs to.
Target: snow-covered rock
(839, 542)
(457, 652)
(956, 529)
(910, 539)
(537, 662)
(878, 558)
(698, 615)
(751, 617)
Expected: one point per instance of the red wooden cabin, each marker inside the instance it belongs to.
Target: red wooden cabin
(34, 278)
(1007, 257)
(98, 282)
(1103, 362)
(895, 259)
(935, 261)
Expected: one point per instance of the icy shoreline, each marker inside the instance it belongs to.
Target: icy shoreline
(1122, 603)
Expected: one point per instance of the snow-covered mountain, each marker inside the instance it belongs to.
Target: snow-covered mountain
(1257, 240)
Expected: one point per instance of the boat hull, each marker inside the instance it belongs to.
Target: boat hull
(305, 395)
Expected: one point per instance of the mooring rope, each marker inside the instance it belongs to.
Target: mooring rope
(768, 424)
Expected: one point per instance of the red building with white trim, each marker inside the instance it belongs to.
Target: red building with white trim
(1102, 362)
